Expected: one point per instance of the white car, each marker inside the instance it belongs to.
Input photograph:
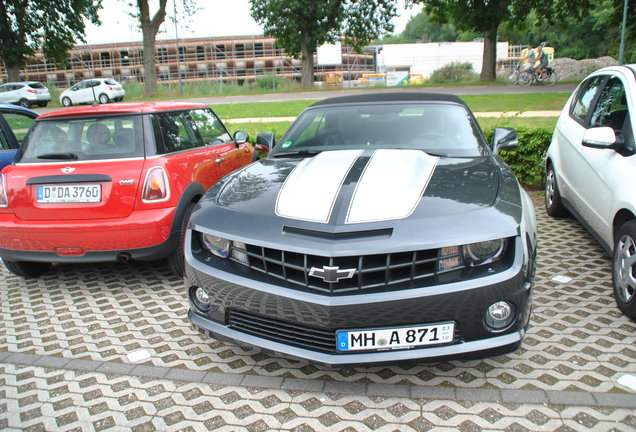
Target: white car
(25, 94)
(101, 90)
(591, 170)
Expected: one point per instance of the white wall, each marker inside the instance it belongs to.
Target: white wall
(424, 58)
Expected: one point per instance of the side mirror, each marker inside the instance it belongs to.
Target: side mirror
(241, 137)
(504, 138)
(265, 141)
(600, 138)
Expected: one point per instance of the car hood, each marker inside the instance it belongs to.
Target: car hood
(388, 194)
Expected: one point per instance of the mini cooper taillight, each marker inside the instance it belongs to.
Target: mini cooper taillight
(3, 193)
(156, 187)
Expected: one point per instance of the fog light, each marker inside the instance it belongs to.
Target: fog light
(499, 315)
(200, 299)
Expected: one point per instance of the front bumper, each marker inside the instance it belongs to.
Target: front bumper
(463, 302)
(143, 235)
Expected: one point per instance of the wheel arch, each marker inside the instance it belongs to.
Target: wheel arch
(621, 217)
(190, 195)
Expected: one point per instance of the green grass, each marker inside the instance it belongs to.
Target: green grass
(477, 103)
(546, 123)
(254, 128)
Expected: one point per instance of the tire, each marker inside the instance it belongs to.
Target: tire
(24, 103)
(513, 78)
(176, 260)
(526, 79)
(27, 269)
(103, 98)
(551, 79)
(67, 102)
(553, 203)
(624, 269)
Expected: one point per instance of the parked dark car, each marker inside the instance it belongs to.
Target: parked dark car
(381, 228)
(15, 122)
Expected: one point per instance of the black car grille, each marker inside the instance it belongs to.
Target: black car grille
(372, 272)
(288, 333)
(284, 332)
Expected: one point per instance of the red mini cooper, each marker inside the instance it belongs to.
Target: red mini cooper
(111, 182)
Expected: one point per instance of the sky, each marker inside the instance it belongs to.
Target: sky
(214, 18)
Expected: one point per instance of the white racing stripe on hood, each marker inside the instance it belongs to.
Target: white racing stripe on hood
(310, 191)
(391, 185)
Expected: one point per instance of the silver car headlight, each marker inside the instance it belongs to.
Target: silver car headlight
(486, 252)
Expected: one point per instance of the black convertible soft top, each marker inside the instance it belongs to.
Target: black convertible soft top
(391, 97)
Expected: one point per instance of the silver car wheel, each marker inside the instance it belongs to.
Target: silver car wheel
(624, 261)
(549, 188)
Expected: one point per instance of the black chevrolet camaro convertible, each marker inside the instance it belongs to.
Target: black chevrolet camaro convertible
(381, 228)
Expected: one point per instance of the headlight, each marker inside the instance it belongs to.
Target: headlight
(216, 245)
(483, 252)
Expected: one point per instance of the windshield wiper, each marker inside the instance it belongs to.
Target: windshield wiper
(300, 153)
(69, 156)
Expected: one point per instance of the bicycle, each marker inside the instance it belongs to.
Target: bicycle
(549, 76)
(516, 77)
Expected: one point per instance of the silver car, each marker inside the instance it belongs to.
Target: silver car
(25, 94)
(100, 90)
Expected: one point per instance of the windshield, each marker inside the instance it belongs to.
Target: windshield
(441, 129)
(84, 139)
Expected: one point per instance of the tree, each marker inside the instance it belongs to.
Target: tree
(53, 26)
(485, 17)
(149, 29)
(301, 26)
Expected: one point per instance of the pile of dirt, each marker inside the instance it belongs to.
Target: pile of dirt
(568, 69)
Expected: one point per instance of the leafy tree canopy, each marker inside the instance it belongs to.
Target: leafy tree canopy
(51, 25)
(300, 26)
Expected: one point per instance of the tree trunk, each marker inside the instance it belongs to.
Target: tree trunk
(13, 72)
(149, 29)
(489, 60)
(307, 78)
(150, 67)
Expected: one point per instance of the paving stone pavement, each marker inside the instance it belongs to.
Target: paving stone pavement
(65, 338)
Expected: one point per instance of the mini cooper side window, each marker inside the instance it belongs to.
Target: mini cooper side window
(584, 98)
(611, 108)
(210, 128)
(178, 131)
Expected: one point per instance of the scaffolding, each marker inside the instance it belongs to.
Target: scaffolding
(232, 59)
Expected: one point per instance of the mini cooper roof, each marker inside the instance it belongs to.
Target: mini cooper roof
(390, 97)
(122, 108)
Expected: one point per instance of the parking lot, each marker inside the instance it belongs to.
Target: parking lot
(65, 341)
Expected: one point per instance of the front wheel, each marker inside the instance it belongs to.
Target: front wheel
(176, 260)
(513, 78)
(25, 103)
(527, 78)
(103, 98)
(27, 269)
(67, 102)
(553, 203)
(624, 269)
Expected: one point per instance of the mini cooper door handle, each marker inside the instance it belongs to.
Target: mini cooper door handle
(219, 160)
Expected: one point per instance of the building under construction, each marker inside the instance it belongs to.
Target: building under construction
(236, 59)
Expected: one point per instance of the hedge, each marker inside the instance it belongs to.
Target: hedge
(526, 160)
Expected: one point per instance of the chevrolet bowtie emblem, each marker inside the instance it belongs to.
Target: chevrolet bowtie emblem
(331, 274)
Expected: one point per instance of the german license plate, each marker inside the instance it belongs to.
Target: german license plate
(395, 338)
(71, 193)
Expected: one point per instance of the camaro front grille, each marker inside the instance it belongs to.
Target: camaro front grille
(371, 272)
(288, 333)
(281, 331)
